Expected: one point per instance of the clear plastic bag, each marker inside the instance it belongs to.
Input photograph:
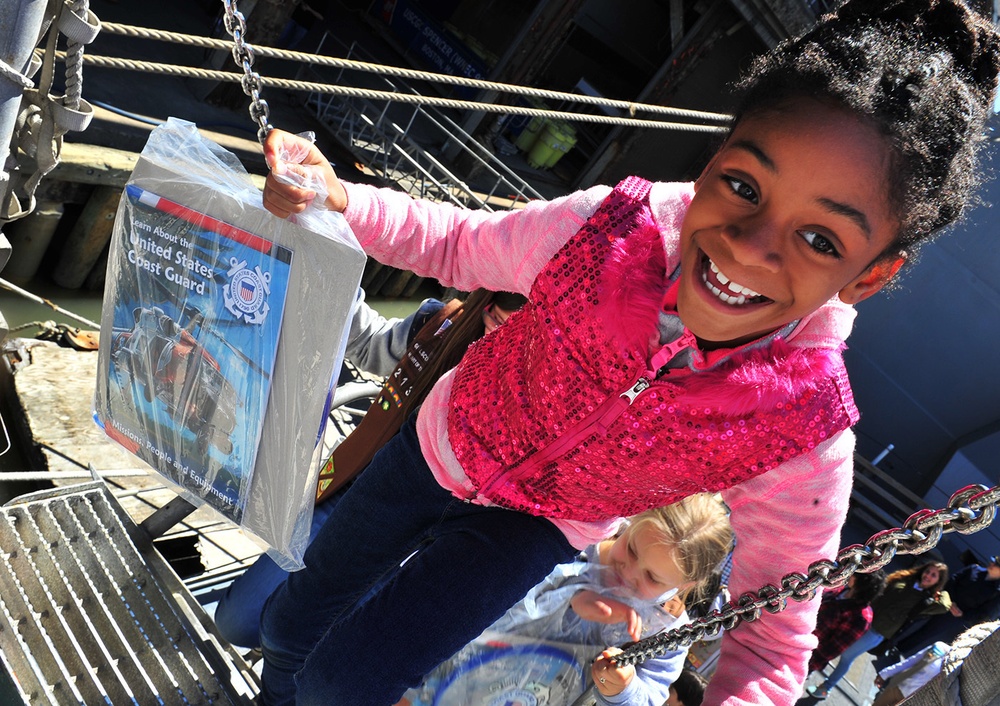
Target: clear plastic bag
(227, 328)
(500, 668)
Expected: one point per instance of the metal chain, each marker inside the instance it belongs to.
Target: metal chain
(243, 55)
(969, 510)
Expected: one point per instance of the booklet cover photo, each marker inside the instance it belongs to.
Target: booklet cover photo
(196, 321)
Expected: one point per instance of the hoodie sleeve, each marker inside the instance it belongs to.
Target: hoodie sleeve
(465, 248)
(784, 520)
(651, 686)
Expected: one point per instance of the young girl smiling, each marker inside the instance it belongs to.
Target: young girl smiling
(678, 338)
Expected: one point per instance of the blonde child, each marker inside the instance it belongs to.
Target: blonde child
(678, 339)
(664, 558)
(621, 590)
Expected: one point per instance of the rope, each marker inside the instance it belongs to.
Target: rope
(208, 74)
(28, 295)
(351, 64)
(951, 667)
(43, 325)
(74, 61)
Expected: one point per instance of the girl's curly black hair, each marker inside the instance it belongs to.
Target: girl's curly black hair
(868, 587)
(924, 72)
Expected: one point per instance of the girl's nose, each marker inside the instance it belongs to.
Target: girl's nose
(629, 577)
(754, 243)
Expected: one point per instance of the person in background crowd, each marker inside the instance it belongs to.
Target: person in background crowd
(899, 681)
(975, 598)
(845, 614)
(688, 690)
(908, 593)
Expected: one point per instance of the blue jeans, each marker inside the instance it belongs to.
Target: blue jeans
(400, 577)
(864, 643)
(238, 613)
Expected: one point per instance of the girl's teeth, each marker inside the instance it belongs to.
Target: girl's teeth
(737, 294)
(722, 278)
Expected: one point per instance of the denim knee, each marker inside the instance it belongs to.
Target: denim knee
(238, 612)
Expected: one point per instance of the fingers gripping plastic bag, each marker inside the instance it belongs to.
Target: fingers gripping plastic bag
(227, 328)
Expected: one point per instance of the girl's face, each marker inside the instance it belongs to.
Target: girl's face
(644, 564)
(493, 316)
(790, 212)
(929, 577)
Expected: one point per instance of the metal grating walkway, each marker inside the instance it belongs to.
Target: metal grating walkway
(91, 614)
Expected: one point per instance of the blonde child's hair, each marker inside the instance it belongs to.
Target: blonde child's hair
(698, 529)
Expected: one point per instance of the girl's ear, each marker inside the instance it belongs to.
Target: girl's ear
(872, 280)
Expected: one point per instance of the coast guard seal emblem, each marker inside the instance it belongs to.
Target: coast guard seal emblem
(245, 294)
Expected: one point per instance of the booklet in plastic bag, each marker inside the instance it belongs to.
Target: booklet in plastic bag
(227, 328)
(194, 336)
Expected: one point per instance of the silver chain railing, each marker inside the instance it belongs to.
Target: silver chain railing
(243, 55)
(969, 510)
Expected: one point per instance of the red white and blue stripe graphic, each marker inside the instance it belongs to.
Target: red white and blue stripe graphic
(201, 220)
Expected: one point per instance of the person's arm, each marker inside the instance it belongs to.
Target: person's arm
(940, 603)
(650, 686)
(892, 670)
(464, 248)
(593, 607)
(375, 344)
(783, 520)
(963, 585)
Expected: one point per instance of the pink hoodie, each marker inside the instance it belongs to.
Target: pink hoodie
(803, 501)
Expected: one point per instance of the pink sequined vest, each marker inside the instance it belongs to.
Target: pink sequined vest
(551, 415)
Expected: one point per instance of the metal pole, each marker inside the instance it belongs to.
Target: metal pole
(883, 454)
(22, 23)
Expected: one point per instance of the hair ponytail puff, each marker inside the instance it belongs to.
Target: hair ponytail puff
(968, 36)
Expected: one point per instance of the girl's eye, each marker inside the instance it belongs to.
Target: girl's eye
(819, 243)
(741, 188)
(653, 580)
(631, 551)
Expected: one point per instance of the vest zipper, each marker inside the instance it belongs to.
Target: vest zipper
(600, 420)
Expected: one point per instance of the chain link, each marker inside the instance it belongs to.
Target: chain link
(969, 510)
(243, 55)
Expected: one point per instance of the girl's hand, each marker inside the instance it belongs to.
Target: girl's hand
(596, 608)
(955, 610)
(299, 172)
(609, 678)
